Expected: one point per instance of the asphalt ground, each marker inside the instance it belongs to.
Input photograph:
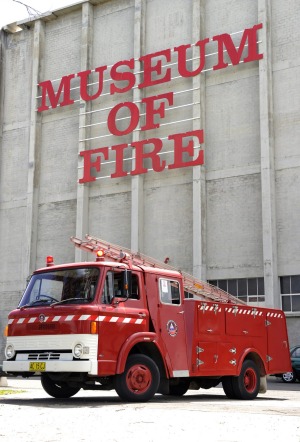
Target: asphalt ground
(27, 413)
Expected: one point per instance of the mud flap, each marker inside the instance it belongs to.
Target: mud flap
(263, 384)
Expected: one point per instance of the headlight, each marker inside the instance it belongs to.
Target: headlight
(78, 350)
(9, 351)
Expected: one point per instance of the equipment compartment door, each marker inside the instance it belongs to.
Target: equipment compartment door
(278, 356)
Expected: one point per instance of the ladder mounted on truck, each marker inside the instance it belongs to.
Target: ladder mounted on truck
(192, 286)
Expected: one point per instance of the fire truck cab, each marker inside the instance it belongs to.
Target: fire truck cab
(122, 322)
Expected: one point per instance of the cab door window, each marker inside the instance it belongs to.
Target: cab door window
(113, 287)
(169, 291)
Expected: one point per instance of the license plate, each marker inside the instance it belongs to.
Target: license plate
(37, 366)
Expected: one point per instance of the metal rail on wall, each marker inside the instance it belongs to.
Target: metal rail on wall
(193, 286)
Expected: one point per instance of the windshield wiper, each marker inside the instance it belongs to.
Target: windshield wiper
(37, 301)
(68, 300)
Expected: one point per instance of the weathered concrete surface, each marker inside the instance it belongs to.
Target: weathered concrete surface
(203, 415)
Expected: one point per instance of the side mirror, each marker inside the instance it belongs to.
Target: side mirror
(125, 289)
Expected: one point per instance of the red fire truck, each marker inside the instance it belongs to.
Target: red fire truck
(129, 323)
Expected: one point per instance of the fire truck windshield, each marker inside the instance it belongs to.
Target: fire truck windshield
(73, 285)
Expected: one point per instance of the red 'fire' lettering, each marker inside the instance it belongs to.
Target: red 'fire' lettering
(119, 149)
(158, 165)
(179, 149)
(89, 164)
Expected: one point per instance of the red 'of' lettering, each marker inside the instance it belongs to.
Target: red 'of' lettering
(150, 111)
(134, 118)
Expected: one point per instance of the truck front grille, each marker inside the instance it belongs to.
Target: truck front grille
(44, 356)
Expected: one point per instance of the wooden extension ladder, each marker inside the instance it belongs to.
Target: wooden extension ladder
(193, 287)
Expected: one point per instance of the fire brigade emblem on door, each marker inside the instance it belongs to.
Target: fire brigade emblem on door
(42, 318)
(172, 328)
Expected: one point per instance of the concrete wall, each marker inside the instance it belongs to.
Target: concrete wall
(235, 217)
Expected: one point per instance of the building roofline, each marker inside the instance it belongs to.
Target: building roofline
(28, 22)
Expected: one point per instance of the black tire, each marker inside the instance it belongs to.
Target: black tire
(57, 389)
(246, 385)
(228, 387)
(179, 389)
(288, 377)
(140, 380)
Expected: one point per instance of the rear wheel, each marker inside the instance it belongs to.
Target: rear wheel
(140, 380)
(57, 389)
(288, 377)
(244, 386)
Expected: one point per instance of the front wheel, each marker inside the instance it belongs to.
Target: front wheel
(57, 389)
(140, 380)
(246, 385)
(288, 377)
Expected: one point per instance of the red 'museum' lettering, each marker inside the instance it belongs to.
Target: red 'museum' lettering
(47, 90)
(235, 55)
(84, 75)
(122, 76)
(156, 68)
(182, 59)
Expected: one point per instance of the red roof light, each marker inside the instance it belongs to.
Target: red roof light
(49, 261)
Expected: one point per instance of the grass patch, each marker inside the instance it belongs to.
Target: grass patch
(7, 391)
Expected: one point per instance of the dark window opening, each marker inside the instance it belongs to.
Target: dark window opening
(290, 293)
(245, 289)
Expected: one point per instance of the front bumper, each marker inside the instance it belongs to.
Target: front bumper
(35, 349)
(51, 366)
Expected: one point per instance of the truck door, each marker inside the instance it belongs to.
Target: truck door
(171, 322)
